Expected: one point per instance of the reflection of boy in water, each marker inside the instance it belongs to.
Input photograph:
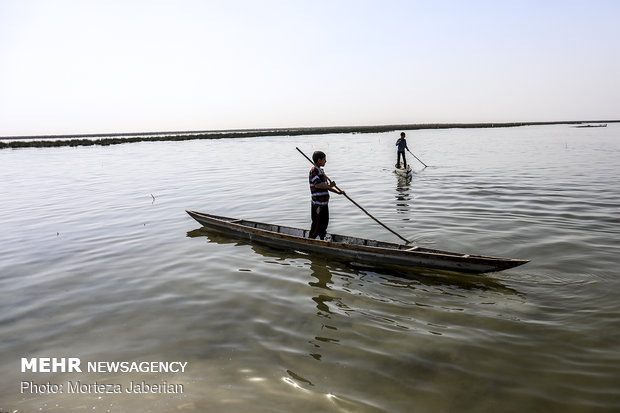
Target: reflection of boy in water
(319, 189)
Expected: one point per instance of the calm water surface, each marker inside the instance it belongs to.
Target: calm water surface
(99, 261)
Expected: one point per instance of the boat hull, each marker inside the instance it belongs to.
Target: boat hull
(403, 171)
(354, 249)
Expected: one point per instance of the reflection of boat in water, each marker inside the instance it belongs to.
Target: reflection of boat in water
(355, 249)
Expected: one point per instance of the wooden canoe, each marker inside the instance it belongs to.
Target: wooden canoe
(355, 249)
(403, 171)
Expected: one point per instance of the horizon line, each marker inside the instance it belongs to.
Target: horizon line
(387, 127)
(117, 138)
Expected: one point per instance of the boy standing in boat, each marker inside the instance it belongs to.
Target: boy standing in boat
(402, 145)
(319, 189)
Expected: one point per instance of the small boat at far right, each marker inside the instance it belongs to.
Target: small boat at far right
(603, 125)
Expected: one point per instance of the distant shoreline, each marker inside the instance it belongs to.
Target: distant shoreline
(44, 141)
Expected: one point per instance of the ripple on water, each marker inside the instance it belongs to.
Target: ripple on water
(100, 261)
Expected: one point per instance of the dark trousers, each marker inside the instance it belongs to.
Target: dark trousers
(398, 159)
(320, 219)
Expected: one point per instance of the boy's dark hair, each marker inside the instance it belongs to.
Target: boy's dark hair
(318, 155)
(402, 134)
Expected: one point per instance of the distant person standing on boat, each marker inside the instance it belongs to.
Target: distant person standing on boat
(320, 187)
(402, 145)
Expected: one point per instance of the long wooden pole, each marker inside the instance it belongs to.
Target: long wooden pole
(356, 204)
(417, 158)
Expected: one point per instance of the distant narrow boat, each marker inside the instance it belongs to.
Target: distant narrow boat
(604, 125)
(355, 249)
(403, 171)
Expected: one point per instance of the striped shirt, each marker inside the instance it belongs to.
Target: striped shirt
(320, 196)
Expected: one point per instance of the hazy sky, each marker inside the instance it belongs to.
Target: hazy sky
(89, 66)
